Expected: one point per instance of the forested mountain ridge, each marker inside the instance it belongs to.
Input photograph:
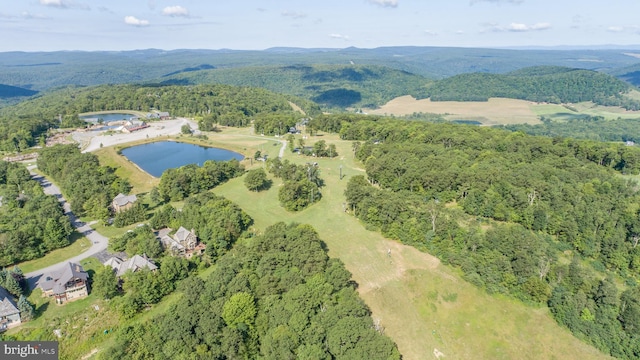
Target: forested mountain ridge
(539, 84)
(333, 86)
(44, 70)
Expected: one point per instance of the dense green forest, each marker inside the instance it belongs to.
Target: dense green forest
(274, 296)
(45, 70)
(25, 124)
(540, 84)
(31, 223)
(552, 215)
(588, 127)
(88, 186)
(332, 86)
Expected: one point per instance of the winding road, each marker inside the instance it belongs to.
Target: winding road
(98, 242)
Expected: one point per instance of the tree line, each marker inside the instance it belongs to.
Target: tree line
(88, 186)
(277, 296)
(179, 183)
(31, 223)
(588, 127)
(539, 84)
(26, 124)
(515, 205)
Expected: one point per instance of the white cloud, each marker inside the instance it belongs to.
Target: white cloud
(54, 3)
(64, 4)
(132, 20)
(175, 11)
(28, 15)
(518, 27)
(630, 29)
(385, 3)
(294, 14)
(339, 36)
(431, 32)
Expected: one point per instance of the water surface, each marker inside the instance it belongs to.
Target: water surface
(157, 157)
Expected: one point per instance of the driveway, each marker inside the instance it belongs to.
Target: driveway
(98, 242)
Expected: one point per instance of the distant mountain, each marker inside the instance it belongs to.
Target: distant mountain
(191, 69)
(333, 86)
(8, 91)
(43, 70)
(630, 74)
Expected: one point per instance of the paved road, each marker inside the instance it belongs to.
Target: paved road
(284, 146)
(98, 242)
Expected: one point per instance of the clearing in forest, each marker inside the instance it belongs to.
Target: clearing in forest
(422, 304)
(496, 111)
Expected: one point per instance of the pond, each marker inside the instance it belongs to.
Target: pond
(107, 118)
(157, 157)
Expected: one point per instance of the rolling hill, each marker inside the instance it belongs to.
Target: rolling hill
(333, 86)
(44, 70)
(540, 84)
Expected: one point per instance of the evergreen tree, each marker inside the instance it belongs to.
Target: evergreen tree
(26, 309)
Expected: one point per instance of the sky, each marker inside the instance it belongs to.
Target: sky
(50, 25)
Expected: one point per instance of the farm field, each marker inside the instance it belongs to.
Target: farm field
(496, 111)
(499, 111)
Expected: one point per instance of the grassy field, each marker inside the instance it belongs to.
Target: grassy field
(141, 182)
(422, 304)
(498, 111)
(78, 245)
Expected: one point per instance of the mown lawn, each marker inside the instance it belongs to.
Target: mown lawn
(78, 245)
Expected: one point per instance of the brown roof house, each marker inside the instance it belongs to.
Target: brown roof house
(134, 264)
(65, 284)
(183, 243)
(123, 202)
(9, 313)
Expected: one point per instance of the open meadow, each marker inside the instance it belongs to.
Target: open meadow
(496, 111)
(424, 306)
(500, 111)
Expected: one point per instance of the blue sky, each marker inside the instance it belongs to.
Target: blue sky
(47, 25)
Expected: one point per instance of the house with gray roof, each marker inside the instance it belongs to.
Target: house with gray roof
(9, 313)
(183, 243)
(69, 282)
(123, 202)
(135, 263)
